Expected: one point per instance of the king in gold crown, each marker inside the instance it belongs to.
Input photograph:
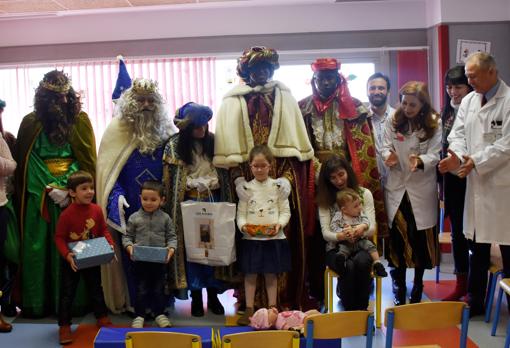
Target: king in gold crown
(144, 86)
(57, 82)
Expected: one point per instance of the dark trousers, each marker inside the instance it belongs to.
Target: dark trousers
(69, 283)
(479, 263)
(150, 287)
(355, 284)
(316, 260)
(454, 195)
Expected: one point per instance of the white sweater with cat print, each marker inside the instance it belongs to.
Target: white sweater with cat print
(264, 203)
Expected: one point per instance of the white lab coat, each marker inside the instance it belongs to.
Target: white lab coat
(421, 185)
(483, 133)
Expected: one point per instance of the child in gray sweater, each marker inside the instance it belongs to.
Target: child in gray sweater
(150, 226)
(349, 221)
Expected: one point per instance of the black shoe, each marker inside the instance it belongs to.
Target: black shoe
(340, 264)
(9, 310)
(241, 307)
(476, 308)
(379, 270)
(197, 306)
(213, 303)
(400, 293)
(416, 293)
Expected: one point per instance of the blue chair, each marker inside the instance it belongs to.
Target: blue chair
(494, 273)
(339, 325)
(504, 286)
(427, 316)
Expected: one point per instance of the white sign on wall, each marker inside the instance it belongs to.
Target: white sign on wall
(466, 47)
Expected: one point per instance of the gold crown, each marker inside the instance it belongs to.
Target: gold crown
(62, 85)
(144, 86)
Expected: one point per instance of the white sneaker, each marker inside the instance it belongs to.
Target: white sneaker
(137, 323)
(162, 321)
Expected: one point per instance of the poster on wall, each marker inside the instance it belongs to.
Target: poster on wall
(466, 47)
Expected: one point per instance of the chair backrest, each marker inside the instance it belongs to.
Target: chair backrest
(143, 339)
(339, 325)
(258, 339)
(427, 316)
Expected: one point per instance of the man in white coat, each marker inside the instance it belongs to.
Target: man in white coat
(480, 150)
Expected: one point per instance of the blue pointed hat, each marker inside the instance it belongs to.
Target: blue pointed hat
(123, 80)
(196, 114)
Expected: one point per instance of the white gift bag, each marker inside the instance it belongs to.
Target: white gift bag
(209, 232)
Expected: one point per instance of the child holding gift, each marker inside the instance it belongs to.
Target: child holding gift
(82, 220)
(152, 227)
(262, 213)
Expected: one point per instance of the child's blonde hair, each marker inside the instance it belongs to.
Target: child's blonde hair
(345, 196)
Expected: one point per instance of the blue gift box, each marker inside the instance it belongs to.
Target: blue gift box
(91, 252)
(149, 254)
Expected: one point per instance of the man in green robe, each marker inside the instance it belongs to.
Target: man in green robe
(53, 141)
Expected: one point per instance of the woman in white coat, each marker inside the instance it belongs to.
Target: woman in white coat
(411, 146)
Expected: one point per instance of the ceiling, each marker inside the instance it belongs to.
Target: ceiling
(21, 9)
(16, 8)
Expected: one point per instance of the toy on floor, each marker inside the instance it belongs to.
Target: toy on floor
(270, 318)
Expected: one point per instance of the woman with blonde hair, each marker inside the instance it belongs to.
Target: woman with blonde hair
(411, 146)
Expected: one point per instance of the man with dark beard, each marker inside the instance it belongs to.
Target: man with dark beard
(131, 152)
(53, 142)
(378, 88)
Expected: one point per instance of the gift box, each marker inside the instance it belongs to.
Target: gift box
(149, 254)
(91, 252)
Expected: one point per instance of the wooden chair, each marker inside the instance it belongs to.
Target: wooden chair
(427, 316)
(339, 325)
(258, 339)
(143, 339)
(504, 286)
(329, 274)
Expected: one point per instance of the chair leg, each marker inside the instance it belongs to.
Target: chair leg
(378, 298)
(438, 270)
(493, 281)
(496, 314)
(330, 293)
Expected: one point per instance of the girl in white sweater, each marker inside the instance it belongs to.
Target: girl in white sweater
(262, 213)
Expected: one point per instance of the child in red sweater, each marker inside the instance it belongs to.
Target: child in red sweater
(80, 221)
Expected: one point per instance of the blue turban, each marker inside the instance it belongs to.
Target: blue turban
(192, 113)
(2, 104)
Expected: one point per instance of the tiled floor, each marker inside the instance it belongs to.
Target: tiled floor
(46, 337)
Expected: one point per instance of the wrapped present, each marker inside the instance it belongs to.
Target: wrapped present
(91, 252)
(260, 230)
(149, 254)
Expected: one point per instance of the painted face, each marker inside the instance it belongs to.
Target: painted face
(457, 92)
(151, 200)
(352, 208)
(410, 105)
(83, 194)
(260, 167)
(377, 92)
(260, 74)
(339, 178)
(480, 79)
(326, 82)
(199, 132)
